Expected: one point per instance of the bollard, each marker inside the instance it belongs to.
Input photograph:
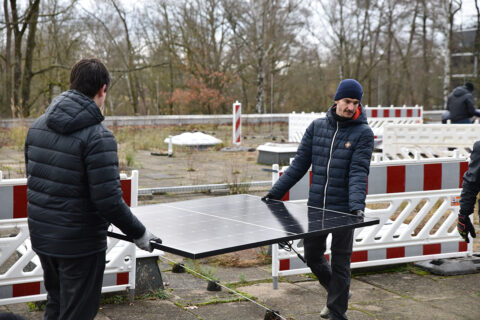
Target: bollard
(170, 146)
(237, 123)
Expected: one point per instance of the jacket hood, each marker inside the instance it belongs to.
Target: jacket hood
(72, 111)
(460, 91)
(359, 118)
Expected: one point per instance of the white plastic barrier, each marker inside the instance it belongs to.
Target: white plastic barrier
(298, 123)
(436, 139)
(414, 226)
(377, 118)
(21, 275)
(420, 198)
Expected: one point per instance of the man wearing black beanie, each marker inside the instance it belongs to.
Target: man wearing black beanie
(339, 149)
(461, 104)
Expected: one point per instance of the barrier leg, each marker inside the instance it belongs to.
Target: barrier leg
(131, 295)
(275, 266)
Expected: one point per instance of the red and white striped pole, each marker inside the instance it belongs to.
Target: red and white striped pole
(237, 123)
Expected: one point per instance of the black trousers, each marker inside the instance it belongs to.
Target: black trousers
(335, 278)
(73, 286)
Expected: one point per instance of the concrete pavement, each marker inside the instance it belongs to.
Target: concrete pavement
(402, 292)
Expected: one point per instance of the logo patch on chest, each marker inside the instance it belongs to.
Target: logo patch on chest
(348, 144)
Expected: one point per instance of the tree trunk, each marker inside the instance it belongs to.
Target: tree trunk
(7, 94)
(29, 50)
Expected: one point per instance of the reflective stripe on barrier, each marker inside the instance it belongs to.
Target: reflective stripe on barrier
(37, 288)
(13, 196)
(398, 176)
(394, 112)
(14, 201)
(385, 255)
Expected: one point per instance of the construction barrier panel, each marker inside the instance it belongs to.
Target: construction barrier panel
(436, 140)
(414, 226)
(394, 176)
(21, 274)
(377, 118)
(416, 202)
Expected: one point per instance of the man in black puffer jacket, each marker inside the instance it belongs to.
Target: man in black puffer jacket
(461, 104)
(74, 193)
(339, 149)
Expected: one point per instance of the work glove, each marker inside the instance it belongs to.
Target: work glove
(464, 227)
(144, 241)
(359, 213)
(269, 196)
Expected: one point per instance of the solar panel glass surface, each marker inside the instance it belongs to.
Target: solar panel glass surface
(211, 226)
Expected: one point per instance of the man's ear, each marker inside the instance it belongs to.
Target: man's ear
(102, 91)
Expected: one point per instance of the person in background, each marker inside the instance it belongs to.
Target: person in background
(74, 193)
(461, 105)
(339, 149)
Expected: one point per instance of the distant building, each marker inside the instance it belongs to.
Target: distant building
(464, 60)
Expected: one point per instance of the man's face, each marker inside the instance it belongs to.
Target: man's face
(347, 107)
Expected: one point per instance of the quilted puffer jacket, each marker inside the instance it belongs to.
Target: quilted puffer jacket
(461, 104)
(73, 182)
(339, 153)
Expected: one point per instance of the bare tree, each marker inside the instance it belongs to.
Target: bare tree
(450, 8)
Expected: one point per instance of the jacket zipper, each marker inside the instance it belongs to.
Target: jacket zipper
(328, 167)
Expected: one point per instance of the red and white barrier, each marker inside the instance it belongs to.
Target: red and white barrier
(22, 279)
(414, 226)
(397, 176)
(394, 112)
(237, 123)
(416, 202)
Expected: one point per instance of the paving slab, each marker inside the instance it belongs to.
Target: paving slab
(382, 296)
(430, 290)
(23, 310)
(403, 309)
(468, 284)
(230, 311)
(145, 310)
(226, 274)
(289, 299)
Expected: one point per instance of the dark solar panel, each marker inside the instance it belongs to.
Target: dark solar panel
(211, 226)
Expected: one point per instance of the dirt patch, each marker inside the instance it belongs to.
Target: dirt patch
(242, 259)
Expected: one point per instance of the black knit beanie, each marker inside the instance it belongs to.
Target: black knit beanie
(349, 88)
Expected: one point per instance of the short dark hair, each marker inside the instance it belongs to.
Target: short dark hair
(88, 76)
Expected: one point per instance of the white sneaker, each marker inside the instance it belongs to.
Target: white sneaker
(325, 313)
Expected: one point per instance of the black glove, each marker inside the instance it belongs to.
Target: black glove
(464, 227)
(359, 213)
(267, 197)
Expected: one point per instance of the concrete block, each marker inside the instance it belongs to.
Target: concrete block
(448, 267)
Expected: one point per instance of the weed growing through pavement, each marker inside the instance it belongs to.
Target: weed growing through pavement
(36, 306)
(157, 294)
(205, 271)
(242, 278)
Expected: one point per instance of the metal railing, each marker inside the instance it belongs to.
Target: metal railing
(203, 187)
